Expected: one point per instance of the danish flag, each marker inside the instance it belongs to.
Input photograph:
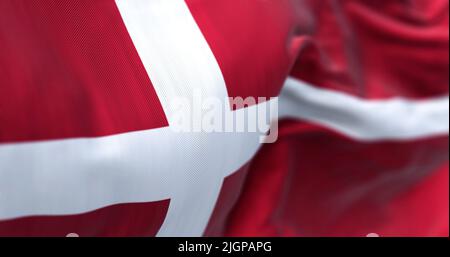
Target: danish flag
(86, 144)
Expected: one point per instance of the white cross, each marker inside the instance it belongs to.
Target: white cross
(79, 175)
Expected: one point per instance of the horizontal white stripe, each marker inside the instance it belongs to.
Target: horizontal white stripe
(79, 175)
(366, 120)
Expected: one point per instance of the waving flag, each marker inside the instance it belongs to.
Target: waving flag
(87, 139)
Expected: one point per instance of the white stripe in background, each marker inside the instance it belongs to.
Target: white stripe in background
(365, 120)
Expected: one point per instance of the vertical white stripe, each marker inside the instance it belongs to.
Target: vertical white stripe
(173, 50)
(179, 62)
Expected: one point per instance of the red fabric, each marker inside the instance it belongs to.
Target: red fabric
(131, 219)
(254, 42)
(378, 49)
(314, 182)
(229, 195)
(69, 69)
(371, 49)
